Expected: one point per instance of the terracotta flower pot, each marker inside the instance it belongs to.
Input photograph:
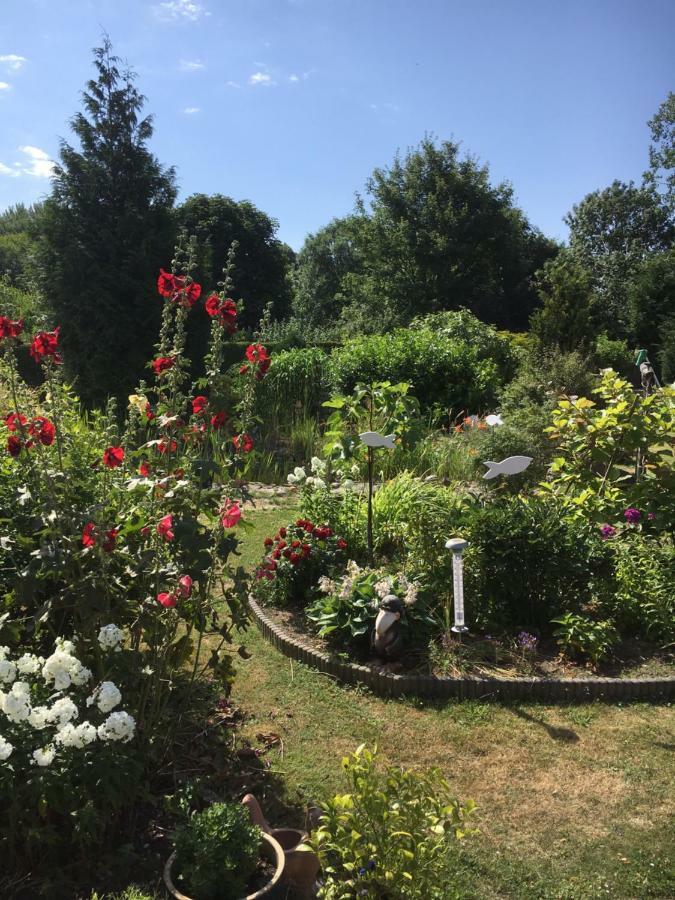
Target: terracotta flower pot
(270, 849)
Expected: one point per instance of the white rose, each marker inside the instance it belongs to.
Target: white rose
(64, 710)
(28, 664)
(7, 671)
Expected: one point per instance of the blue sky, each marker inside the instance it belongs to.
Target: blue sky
(292, 103)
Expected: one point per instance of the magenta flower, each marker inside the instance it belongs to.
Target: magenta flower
(607, 531)
(632, 515)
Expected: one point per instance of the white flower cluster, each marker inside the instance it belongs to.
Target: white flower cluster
(110, 638)
(397, 584)
(63, 670)
(316, 479)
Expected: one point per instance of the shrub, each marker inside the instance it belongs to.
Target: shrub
(296, 385)
(217, 852)
(295, 558)
(643, 600)
(444, 372)
(527, 564)
(390, 835)
(581, 636)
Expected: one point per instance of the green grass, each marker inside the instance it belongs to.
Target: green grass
(574, 801)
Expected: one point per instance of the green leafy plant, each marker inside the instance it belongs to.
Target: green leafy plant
(580, 636)
(643, 600)
(217, 852)
(390, 835)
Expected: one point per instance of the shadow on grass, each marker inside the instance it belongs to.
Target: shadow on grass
(565, 735)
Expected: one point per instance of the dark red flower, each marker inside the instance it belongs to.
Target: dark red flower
(199, 404)
(268, 541)
(163, 364)
(243, 442)
(113, 457)
(166, 284)
(287, 553)
(13, 445)
(294, 558)
(282, 544)
(144, 468)
(109, 540)
(218, 420)
(167, 445)
(228, 315)
(282, 532)
(271, 564)
(14, 420)
(149, 413)
(89, 535)
(9, 329)
(306, 550)
(43, 430)
(192, 293)
(212, 305)
(45, 343)
(342, 544)
(165, 528)
(295, 544)
(276, 554)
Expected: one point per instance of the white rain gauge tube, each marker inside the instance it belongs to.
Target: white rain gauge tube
(458, 545)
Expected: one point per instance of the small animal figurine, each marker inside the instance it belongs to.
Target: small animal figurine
(374, 439)
(512, 465)
(386, 639)
(494, 419)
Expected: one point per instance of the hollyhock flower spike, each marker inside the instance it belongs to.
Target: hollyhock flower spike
(162, 364)
(113, 457)
(45, 344)
(199, 404)
(230, 514)
(165, 528)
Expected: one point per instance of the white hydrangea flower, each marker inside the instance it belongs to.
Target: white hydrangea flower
(80, 675)
(64, 710)
(297, 476)
(7, 671)
(110, 637)
(39, 717)
(106, 696)
(16, 704)
(44, 756)
(63, 668)
(119, 726)
(315, 482)
(77, 736)
(29, 664)
(5, 749)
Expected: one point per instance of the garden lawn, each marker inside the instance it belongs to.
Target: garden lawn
(575, 801)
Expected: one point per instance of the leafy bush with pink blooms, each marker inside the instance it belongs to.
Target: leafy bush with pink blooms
(129, 519)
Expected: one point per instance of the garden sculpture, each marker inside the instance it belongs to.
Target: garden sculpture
(512, 465)
(374, 439)
(386, 639)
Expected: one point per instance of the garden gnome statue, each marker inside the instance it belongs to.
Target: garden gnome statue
(386, 639)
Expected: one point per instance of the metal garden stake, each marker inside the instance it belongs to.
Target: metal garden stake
(457, 545)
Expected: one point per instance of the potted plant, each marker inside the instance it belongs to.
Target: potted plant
(220, 855)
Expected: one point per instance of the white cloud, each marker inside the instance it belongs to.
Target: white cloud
(234, 84)
(261, 78)
(190, 65)
(180, 10)
(293, 78)
(4, 86)
(38, 164)
(12, 62)
(191, 110)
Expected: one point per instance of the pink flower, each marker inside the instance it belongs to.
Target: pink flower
(166, 600)
(607, 531)
(230, 514)
(165, 528)
(632, 515)
(184, 586)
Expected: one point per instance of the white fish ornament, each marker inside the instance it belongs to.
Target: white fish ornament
(494, 419)
(512, 465)
(375, 439)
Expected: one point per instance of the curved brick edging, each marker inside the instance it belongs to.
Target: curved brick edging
(388, 685)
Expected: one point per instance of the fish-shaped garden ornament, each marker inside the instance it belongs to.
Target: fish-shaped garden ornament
(375, 439)
(494, 419)
(512, 465)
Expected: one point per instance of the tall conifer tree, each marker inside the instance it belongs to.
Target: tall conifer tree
(106, 229)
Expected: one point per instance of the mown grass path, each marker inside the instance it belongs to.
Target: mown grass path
(575, 801)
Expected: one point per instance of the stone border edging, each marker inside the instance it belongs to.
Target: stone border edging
(432, 687)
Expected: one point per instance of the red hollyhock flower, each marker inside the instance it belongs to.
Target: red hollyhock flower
(268, 542)
(113, 457)
(218, 420)
(110, 539)
(199, 404)
(14, 420)
(228, 316)
(256, 353)
(166, 284)
(43, 430)
(13, 445)
(45, 343)
(192, 293)
(212, 305)
(89, 535)
(166, 600)
(243, 442)
(184, 586)
(149, 414)
(163, 364)
(144, 469)
(342, 544)
(230, 513)
(167, 445)
(9, 329)
(165, 528)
